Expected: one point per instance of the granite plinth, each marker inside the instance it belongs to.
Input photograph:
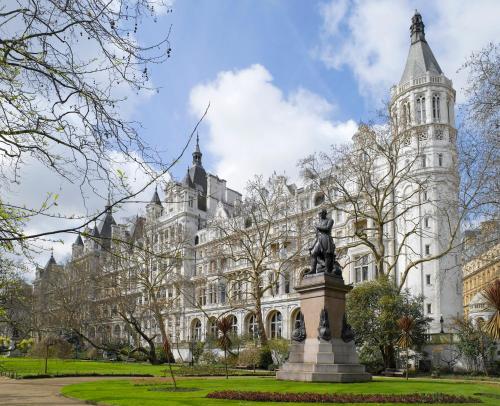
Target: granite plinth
(317, 360)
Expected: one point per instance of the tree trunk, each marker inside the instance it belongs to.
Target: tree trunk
(260, 322)
(389, 356)
(225, 362)
(407, 361)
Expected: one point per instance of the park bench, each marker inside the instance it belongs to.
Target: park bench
(393, 372)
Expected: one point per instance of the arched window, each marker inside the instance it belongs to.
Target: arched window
(295, 316)
(234, 324)
(196, 240)
(248, 222)
(212, 327)
(196, 330)
(117, 331)
(436, 111)
(421, 117)
(275, 325)
(252, 327)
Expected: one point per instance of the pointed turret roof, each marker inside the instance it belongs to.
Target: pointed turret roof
(51, 261)
(156, 198)
(420, 57)
(78, 240)
(197, 152)
(196, 177)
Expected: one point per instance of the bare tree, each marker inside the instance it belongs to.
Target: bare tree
(378, 183)
(258, 244)
(66, 68)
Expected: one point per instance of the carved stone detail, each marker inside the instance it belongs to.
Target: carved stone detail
(324, 332)
(347, 333)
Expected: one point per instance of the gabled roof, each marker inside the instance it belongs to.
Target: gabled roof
(420, 57)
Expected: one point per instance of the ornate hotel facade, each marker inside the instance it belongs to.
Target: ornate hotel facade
(423, 101)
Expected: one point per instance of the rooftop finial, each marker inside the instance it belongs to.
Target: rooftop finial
(417, 28)
(197, 152)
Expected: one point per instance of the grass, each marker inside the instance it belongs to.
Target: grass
(149, 392)
(35, 366)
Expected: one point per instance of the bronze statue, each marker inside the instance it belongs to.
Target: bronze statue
(324, 332)
(299, 332)
(346, 334)
(323, 250)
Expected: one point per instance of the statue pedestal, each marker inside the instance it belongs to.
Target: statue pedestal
(316, 359)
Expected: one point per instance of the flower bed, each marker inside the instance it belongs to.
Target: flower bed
(342, 397)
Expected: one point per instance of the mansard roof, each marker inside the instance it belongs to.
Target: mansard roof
(420, 57)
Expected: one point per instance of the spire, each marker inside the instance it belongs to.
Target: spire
(51, 260)
(417, 28)
(420, 57)
(197, 152)
(156, 198)
(108, 203)
(78, 240)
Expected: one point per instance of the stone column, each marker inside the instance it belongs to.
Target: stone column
(332, 357)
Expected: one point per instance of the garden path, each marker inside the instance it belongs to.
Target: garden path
(39, 391)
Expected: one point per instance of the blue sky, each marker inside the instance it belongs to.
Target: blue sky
(209, 37)
(284, 79)
(330, 63)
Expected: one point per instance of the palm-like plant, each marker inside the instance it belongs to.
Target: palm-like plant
(406, 325)
(492, 296)
(224, 326)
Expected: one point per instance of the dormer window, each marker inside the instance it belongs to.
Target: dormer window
(421, 116)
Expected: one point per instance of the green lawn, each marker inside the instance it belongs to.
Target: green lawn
(35, 366)
(138, 391)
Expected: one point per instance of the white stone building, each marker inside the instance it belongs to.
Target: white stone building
(423, 102)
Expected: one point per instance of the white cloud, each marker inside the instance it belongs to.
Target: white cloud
(371, 37)
(256, 129)
(36, 180)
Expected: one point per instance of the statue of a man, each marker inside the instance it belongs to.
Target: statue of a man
(323, 250)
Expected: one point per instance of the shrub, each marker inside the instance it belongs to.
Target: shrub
(92, 354)
(56, 347)
(342, 397)
(266, 358)
(209, 357)
(250, 357)
(279, 350)
(198, 350)
(25, 345)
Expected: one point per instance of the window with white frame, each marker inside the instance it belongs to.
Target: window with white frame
(421, 117)
(252, 327)
(361, 268)
(427, 249)
(429, 308)
(440, 159)
(196, 332)
(436, 110)
(428, 279)
(275, 325)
